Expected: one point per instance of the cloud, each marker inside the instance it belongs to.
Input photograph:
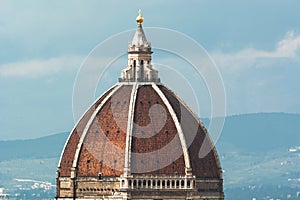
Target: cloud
(262, 80)
(40, 68)
(286, 48)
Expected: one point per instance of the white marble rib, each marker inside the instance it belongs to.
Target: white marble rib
(87, 127)
(129, 129)
(177, 124)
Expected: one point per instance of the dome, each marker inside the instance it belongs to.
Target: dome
(98, 142)
(139, 140)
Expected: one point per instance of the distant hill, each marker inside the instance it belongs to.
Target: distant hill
(247, 133)
(44, 147)
(261, 132)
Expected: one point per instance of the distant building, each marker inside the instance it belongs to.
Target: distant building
(133, 142)
(3, 196)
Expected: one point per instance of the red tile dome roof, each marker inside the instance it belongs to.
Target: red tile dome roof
(140, 128)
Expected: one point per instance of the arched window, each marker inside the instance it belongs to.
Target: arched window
(142, 70)
(173, 183)
(188, 184)
(129, 183)
(134, 70)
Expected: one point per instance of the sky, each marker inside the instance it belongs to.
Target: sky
(255, 45)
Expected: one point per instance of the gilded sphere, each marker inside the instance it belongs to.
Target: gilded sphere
(139, 19)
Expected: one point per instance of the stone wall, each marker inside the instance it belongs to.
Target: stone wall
(141, 187)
